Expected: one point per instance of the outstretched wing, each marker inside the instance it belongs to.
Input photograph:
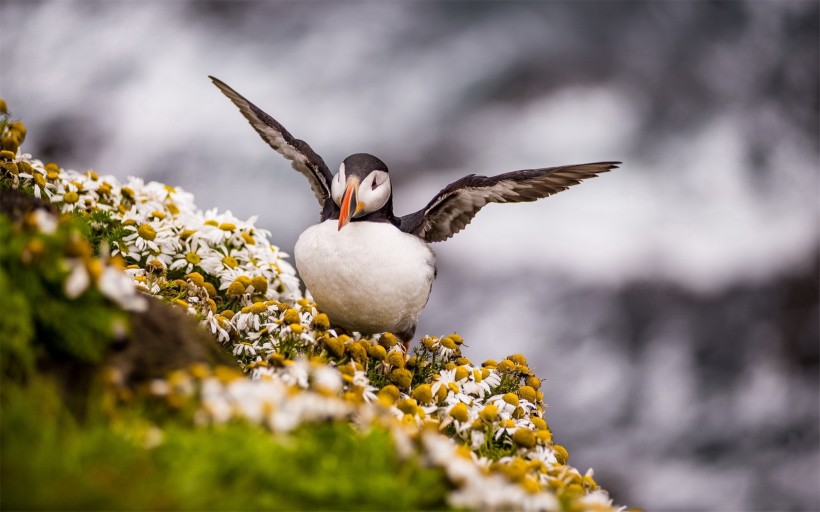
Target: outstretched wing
(302, 156)
(455, 206)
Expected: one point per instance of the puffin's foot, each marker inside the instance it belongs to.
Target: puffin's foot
(406, 338)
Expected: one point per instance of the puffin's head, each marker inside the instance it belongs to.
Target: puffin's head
(361, 186)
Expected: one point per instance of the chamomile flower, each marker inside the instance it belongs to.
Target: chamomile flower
(360, 381)
(46, 222)
(297, 374)
(505, 403)
(543, 454)
(252, 317)
(244, 349)
(116, 285)
(67, 196)
(218, 326)
(144, 238)
(190, 254)
(327, 379)
(78, 279)
(42, 188)
(218, 227)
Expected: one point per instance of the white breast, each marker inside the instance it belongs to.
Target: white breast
(368, 277)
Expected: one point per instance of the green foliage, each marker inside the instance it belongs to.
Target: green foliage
(37, 314)
(494, 450)
(89, 465)
(16, 330)
(510, 382)
(104, 229)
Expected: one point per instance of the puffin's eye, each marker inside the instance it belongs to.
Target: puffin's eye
(374, 184)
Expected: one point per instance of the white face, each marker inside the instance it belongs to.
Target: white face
(337, 186)
(371, 194)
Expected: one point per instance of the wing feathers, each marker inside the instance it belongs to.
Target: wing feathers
(302, 156)
(455, 206)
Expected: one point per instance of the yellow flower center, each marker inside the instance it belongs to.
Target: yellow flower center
(423, 393)
(378, 351)
(462, 373)
(147, 232)
(322, 322)
(395, 359)
(235, 289)
(448, 343)
(511, 398)
(260, 284)
(291, 316)
(524, 437)
(71, 197)
(560, 453)
(196, 278)
(230, 261)
(127, 192)
(193, 258)
(460, 412)
(527, 393)
(258, 308)
(489, 413)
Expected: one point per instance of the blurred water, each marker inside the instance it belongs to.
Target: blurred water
(671, 305)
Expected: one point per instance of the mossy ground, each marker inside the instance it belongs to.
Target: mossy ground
(54, 460)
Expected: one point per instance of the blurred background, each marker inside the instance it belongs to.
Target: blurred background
(671, 305)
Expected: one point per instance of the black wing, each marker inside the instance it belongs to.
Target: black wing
(303, 158)
(455, 206)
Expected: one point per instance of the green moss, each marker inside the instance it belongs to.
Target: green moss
(91, 465)
(17, 357)
(32, 284)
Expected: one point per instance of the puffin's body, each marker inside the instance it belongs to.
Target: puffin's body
(367, 269)
(368, 277)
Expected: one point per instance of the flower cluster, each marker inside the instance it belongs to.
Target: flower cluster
(482, 423)
(305, 393)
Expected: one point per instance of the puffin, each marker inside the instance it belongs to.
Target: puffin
(369, 270)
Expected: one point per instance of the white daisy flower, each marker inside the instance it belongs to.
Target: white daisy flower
(78, 279)
(116, 285)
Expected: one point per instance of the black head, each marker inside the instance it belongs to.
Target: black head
(362, 164)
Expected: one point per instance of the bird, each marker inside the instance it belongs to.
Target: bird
(369, 270)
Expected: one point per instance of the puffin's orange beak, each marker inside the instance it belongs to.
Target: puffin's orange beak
(350, 202)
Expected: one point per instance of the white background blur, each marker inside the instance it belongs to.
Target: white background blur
(671, 305)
